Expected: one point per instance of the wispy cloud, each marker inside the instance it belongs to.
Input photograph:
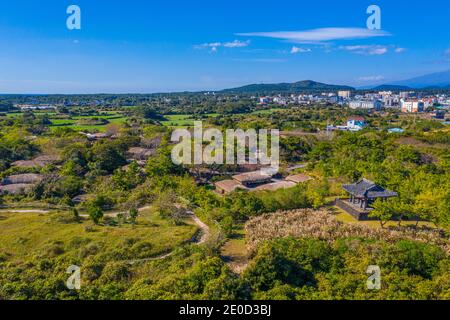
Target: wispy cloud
(320, 35)
(371, 78)
(399, 50)
(295, 50)
(214, 46)
(371, 50)
(237, 44)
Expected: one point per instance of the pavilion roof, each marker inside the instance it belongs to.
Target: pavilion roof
(368, 189)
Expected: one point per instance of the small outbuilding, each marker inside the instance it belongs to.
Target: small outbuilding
(228, 186)
(253, 179)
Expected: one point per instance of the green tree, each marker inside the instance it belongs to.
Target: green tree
(133, 213)
(95, 213)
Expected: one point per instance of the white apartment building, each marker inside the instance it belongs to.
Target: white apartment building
(344, 94)
(412, 106)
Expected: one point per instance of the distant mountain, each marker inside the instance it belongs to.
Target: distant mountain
(296, 87)
(433, 80)
(391, 87)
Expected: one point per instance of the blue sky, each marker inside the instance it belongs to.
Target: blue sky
(159, 46)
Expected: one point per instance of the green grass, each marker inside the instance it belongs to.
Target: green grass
(234, 251)
(113, 117)
(72, 122)
(343, 216)
(267, 111)
(182, 120)
(23, 233)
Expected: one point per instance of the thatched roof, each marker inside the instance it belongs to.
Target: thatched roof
(29, 164)
(38, 162)
(252, 177)
(229, 186)
(48, 158)
(80, 198)
(29, 178)
(275, 186)
(16, 189)
(151, 142)
(298, 178)
(141, 153)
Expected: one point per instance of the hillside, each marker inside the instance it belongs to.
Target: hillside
(296, 87)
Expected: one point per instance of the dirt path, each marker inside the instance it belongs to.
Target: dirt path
(25, 211)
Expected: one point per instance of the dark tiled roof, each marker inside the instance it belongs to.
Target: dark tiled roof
(368, 189)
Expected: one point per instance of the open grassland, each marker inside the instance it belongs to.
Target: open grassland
(91, 123)
(58, 234)
(182, 120)
(77, 123)
(234, 251)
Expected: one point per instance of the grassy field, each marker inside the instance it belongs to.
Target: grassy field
(23, 233)
(234, 251)
(268, 111)
(112, 117)
(182, 120)
(343, 216)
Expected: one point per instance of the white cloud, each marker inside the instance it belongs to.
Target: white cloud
(371, 50)
(237, 44)
(214, 46)
(400, 50)
(371, 78)
(319, 35)
(295, 50)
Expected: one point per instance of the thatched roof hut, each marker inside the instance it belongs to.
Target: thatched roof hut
(298, 178)
(38, 162)
(80, 198)
(138, 153)
(275, 186)
(29, 178)
(228, 186)
(16, 189)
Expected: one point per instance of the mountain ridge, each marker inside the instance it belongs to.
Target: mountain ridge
(436, 80)
(295, 87)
